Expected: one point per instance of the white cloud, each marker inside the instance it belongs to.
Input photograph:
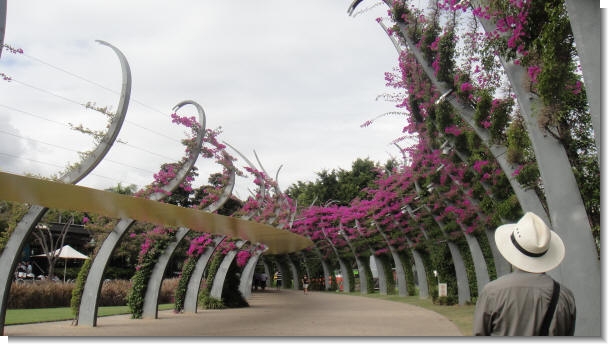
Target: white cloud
(292, 80)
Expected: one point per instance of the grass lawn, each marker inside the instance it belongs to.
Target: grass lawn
(461, 316)
(35, 315)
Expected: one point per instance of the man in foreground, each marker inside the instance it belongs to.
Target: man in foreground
(526, 302)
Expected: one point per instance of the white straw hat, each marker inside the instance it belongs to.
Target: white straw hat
(530, 245)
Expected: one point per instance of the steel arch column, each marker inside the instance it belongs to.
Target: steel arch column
(15, 243)
(360, 266)
(294, 273)
(401, 281)
(222, 271)
(423, 286)
(2, 24)
(150, 308)
(382, 285)
(247, 274)
(87, 314)
(194, 283)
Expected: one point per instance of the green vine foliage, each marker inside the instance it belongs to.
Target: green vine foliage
(10, 215)
(416, 114)
(205, 298)
(447, 46)
(407, 261)
(79, 287)
(231, 295)
(467, 258)
(388, 272)
(399, 11)
(368, 274)
(556, 47)
(484, 105)
(486, 249)
(499, 120)
(501, 188)
(441, 260)
(135, 297)
(509, 209)
(425, 254)
(428, 37)
(351, 276)
(180, 291)
(529, 175)
(518, 142)
(431, 126)
(444, 111)
(462, 93)
(461, 143)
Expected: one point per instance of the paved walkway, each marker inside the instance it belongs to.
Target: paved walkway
(271, 313)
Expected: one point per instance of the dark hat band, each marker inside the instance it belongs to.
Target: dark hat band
(523, 250)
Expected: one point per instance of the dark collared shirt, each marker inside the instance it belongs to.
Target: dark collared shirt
(515, 304)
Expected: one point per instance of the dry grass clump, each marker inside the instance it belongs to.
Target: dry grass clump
(167, 290)
(114, 293)
(45, 294)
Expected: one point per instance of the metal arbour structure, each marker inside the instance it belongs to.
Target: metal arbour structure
(414, 226)
(559, 200)
(87, 314)
(12, 251)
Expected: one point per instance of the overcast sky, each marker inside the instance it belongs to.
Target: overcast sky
(292, 80)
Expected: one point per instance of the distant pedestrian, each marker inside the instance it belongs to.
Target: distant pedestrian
(263, 279)
(256, 281)
(278, 278)
(526, 302)
(305, 284)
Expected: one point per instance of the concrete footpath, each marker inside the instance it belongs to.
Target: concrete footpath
(271, 313)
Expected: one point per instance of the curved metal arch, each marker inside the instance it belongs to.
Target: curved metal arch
(90, 162)
(194, 283)
(294, 273)
(87, 314)
(226, 192)
(479, 262)
(263, 184)
(326, 268)
(382, 279)
(423, 284)
(401, 280)
(462, 279)
(150, 309)
(361, 266)
(222, 271)
(2, 24)
(12, 251)
(527, 198)
(344, 268)
(248, 272)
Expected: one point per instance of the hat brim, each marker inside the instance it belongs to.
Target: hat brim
(549, 261)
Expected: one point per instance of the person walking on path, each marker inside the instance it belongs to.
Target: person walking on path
(278, 278)
(263, 279)
(526, 302)
(305, 284)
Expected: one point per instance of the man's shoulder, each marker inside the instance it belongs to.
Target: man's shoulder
(518, 278)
